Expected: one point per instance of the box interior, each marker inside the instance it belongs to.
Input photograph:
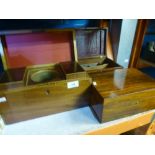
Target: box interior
(38, 48)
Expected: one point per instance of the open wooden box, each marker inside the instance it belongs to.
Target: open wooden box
(91, 45)
(42, 76)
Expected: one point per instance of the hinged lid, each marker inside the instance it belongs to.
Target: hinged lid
(120, 82)
(90, 42)
(26, 49)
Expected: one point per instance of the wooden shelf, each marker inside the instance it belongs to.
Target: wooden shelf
(129, 123)
(144, 63)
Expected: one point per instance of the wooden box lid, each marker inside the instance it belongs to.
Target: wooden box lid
(119, 82)
(91, 47)
(27, 49)
(90, 42)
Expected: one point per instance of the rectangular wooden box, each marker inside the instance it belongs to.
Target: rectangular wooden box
(121, 93)
(91, 45)
(31, 88)
(22, 100)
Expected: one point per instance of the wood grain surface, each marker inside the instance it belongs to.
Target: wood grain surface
(138, 42)
(120, 93)
(12, 75)
(90, 42)
(35, 101)
(103, 64)
(25, 102)
(72, 70)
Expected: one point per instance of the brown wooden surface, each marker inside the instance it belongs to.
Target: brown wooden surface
(55, 68)
(72, 70)
(31, 100)
(12, 75)
(115, 33)
(137, 131)
(121, 93)
(109, 51)
(94, 43)
(138, 41)
(151, 128)
(104, 23)
(99, 61)
(90, 42)
(125, 125)
(144, 63)
(35, 101)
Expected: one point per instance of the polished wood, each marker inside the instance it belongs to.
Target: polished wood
(54, 68)
(102, 63)
(144, 63)
(115, 33)
(36, 101)
(104, 23)
(137, 131)
(125, 125)
(120, 93)
(89, 68)
(12, 75)
(90, 42)
(91, 47)
(72, 70)
(151, 128)
(138, 41)
(28, 100)
(91, 60)
(109, 51)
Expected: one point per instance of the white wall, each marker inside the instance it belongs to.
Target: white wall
(126, 41)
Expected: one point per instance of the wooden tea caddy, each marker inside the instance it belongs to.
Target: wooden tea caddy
(120, 93)
(91, 45)
(38, 90)
(115, 92)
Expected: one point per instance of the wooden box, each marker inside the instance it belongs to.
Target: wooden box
(91, 45)
(121, 93)
(30, 88)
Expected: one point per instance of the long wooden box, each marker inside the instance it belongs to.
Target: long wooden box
(33, 87)
(121, 93)
(23, 100)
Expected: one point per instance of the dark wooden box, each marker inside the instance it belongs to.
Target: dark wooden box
(121, 93)
(91, 46)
